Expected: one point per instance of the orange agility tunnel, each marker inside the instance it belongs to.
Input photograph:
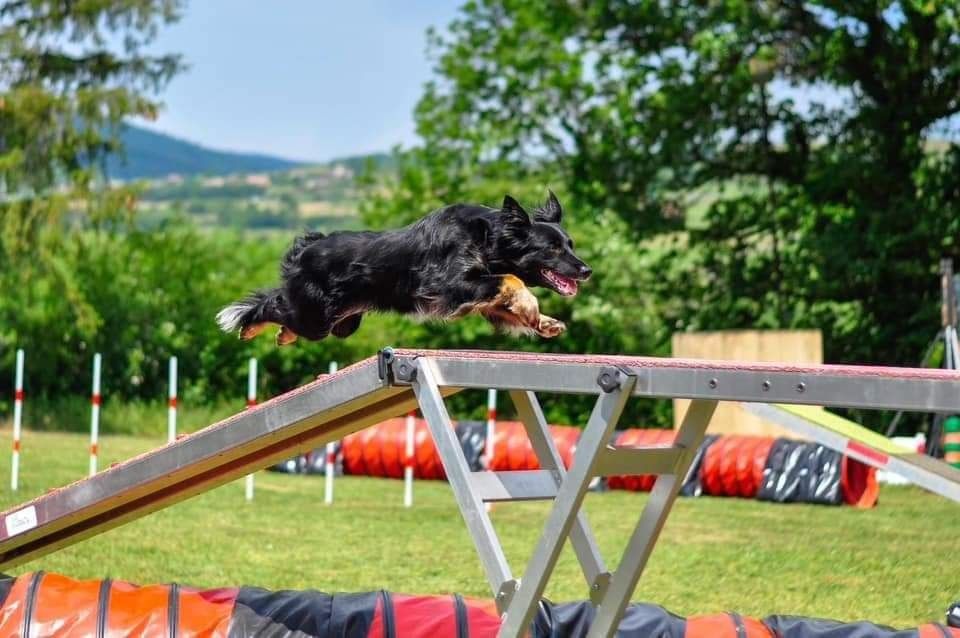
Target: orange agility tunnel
(40, 604)
(512, 450)
(380, 450)
(764, 468)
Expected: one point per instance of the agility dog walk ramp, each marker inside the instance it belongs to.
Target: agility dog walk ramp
(396, 381)
(867, 446)
(324, 410)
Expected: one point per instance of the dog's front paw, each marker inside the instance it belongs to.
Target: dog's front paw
(550, 327)
(525, 308)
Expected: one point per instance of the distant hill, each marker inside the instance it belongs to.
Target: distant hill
(151, 155)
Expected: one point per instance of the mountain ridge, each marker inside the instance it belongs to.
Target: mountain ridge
(151, 154)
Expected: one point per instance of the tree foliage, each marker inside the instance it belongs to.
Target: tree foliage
(70, 72)
(805, 126)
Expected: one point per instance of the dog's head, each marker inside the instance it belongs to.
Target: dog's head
(538, 250)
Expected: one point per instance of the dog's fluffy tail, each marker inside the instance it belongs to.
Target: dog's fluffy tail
(262, 306)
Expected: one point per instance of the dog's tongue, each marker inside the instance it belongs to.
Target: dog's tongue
(565, 285)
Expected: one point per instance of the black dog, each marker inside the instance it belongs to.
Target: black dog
(458, 260)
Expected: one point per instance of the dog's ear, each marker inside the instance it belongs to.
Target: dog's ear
(551, 211)
(513, 212)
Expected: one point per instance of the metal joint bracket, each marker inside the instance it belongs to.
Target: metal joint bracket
(599, 587)
(396, 370)
(385, 358)
(610, 378)
(404, 370)
(505, 594)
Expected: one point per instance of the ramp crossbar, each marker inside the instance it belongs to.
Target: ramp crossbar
(397, 381)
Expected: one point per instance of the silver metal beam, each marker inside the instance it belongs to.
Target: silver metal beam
(603, 420)
(839, 386)
(581, 536)
(325, 410)
(638, 460)
(375, 389)
(529, 485)
(459, 476)
(645, 535)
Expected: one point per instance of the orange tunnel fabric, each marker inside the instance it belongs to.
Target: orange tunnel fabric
(49, 605)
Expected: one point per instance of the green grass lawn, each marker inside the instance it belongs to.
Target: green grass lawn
(895, 564)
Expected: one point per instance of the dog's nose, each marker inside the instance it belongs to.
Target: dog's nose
(585, 272)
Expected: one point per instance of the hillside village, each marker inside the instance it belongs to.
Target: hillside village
(320, 197)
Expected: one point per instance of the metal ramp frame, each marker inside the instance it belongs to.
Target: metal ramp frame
(397, 381)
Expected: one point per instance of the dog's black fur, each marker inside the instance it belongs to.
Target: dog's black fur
(449, 264)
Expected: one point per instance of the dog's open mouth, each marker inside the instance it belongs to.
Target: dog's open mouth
(566, 286)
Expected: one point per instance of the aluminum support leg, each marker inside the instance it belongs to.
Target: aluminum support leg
(458, 474)
(654, 515)
(593, 441)
(581, 536)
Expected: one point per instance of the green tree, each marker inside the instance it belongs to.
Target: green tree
(804, 126)
(70, 72)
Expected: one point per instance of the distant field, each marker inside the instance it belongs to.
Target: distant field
(323, 197)
(895, 564)
(326, 209)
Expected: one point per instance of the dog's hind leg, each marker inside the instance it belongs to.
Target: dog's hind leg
(251, 331)
(346, 326)
(286, 336)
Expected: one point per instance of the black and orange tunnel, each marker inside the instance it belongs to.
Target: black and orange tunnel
(758, 467)
(45, 605)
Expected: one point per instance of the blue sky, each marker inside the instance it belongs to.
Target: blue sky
(302, 79)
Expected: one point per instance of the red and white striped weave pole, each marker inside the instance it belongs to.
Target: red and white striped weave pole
(491, 426)
(172, 403)
(491, 432)
(330, 460)
(95, 401)
(17, 420)
(408, 461)
(251, 401)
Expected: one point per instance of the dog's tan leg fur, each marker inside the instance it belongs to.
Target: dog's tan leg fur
(516, 306)
(517, 299)
(286, 336)
(253, 330)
